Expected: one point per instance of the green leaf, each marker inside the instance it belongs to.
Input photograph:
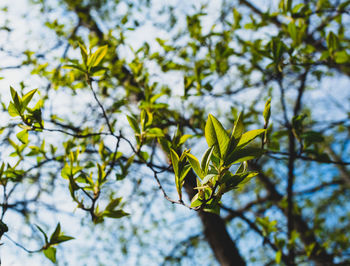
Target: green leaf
(2, 169)
(311, 137)
(3, 228)
(242, 168)
(238, 127)
(246, 154)
(28, 97)
(215, 160)
(195, 202)
(297, 7)
(97, 57)
(115, 214)
(233, 141)
(206, 159)
(332, 42)
(25, 127)
(207, 178)
(175, 161)
(310, 248)
(18, 103)
(74, 67)
(13, 92)
(278, 256)
(341, 57)
(180, 169)
(183, 139)
(55, 234)
(214, 207)
(155, 132)
(113, 204)
(98, 71)
(66, 171)
(236, 181)
(297, 124)
(165, 144)
(101, 175)
(42, 231)
(133, 123)
(183, 174)
(23, 136)
(267, 111)
(84, 53)
(155, 97)
(289, 5)
(216, 136)
(267, 225)
(247, 178)
(293, 32)
(249, 137)
(195, 165)
(63, 238)
(277, 48)
(143, 119)
(13, 110)
(50, 253)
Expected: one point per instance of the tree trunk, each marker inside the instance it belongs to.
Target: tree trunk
(224, 248)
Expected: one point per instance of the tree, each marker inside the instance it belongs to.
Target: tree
(141, 132)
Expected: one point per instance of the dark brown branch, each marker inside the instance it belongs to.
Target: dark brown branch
(291, 166)
(319, 187)
(290, 184)
(79, 136)
(305, 158)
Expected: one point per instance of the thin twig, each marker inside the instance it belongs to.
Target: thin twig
(22, 247)
(89, 81)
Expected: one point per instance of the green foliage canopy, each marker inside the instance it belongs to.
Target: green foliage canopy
(139, 115)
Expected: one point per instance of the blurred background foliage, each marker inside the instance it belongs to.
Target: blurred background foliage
(92, 147)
